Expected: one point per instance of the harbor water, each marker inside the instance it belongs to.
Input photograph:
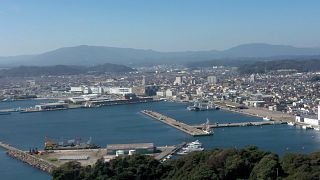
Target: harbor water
(125, 124)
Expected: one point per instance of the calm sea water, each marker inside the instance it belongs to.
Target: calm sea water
(124, 124)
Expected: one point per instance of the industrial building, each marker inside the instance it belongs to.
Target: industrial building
(51, 106)
(140, 148)
(149, 90)
(118, 90)
(310, 120)
(212, 80)
(178, 80)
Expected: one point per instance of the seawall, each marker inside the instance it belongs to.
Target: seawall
(31, 160)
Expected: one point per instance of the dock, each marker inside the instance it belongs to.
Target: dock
(169, 150)
(196, 130)
(193, 131)
(240, 124)
(9, 110)
(25, 157)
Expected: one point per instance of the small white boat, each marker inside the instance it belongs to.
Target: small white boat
(307, 127)
(191, 147)
(206, 129)
(266, 119)
(317, 128)
(291, 123)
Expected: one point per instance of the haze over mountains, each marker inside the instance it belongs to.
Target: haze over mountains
(27, 71)
(94, 55)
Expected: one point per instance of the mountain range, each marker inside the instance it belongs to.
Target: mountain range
(94, 55)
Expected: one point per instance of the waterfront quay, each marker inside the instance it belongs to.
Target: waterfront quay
(258, 123)
(47, 161)
(175, 123)
(197, 130)
(90, 156)
(169, 150)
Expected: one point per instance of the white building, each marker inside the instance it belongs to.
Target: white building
(51, 106)
(78, 89)
(119, 90)
(161, 93)
(212, 79)
(87, 90)
(143, 80)
(169, 93)
(31, 83)
(178, 80)
(310, 120)
(199, 91)
(252, 78)
(96, 90)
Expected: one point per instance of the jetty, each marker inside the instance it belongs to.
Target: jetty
(9, 110)
(240, 124)
(169, 150)
(193, 131)
(197, 130)
(25, 157)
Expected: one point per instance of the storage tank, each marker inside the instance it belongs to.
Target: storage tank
(132, 152)
(119, 153)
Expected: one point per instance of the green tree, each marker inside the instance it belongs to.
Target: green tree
(71, 170)
(267, 169)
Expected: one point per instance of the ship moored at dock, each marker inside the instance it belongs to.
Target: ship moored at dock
(69, 144)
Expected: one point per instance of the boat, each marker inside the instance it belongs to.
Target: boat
(70, 144)
(203, 105)
(193, 108)
(206, 127)
(194, 146)
(291, 123)
(266, 119)
(195, 143)
(169, 156)
(317, 128)
(7, 100)
(307, 127)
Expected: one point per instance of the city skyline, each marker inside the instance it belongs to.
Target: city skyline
(34, 27)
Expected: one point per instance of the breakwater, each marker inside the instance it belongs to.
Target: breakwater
(176, 124)
(31, 160)
(224, 125)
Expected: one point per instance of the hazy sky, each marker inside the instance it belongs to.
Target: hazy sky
(29, 26)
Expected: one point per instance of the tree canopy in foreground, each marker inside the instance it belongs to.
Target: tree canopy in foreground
(247, 163)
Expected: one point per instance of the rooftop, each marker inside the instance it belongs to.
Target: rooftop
(130, 146)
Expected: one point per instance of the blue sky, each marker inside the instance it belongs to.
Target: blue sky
(29, 26)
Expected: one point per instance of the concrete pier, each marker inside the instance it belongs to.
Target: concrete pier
(240, 124)
(196, 130)
(170, 150)
(9, 110)
(33, 161)
(176, 124)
